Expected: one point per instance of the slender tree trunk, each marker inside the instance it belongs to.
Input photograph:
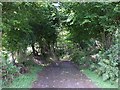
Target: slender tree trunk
(13, 58)
(103, 39)
(52, 49)
(106, 40)
(34, 51)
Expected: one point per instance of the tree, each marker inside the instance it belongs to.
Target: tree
(29, 24)
(92, 20)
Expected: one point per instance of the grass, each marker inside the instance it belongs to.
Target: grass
(26, 80)
(98, 80)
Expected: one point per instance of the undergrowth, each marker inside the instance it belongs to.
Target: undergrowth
(98, 80)
(25, 80)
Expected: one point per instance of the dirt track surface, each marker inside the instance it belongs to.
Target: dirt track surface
(64, 75)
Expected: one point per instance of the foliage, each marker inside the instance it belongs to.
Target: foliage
(78, 57)
(25, 80)
(29, 25)
(97, 21)
(26, 25)
(9, 71)
(39, 26)
(107, 67)
(64, 45)
(11, 75)
(98, 80)
(108, 62)
(112, 64)
(91, 20)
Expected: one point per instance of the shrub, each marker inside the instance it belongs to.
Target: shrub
(81, 58)
(107, 65)
(9, 71)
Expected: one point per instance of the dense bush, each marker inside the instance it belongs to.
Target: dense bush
(105, 62)
(10, 70)
(80, 57)
(108, 64)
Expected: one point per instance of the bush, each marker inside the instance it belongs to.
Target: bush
(81, 58)
(107, 65)
(9, 71)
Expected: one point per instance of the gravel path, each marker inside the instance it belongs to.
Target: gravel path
(64, 75)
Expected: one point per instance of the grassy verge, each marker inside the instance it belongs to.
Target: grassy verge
(98, 80)
(26, 80)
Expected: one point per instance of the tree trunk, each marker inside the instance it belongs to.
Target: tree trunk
(103, 39)
(34, 51)
(52, 50)
(106, 40)
(13, 58)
